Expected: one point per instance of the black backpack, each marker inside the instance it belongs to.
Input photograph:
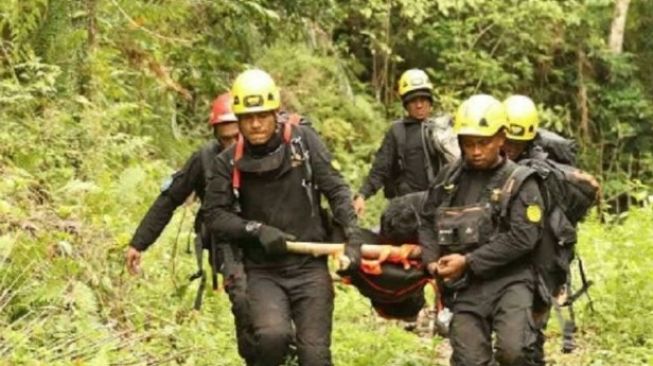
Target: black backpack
(557, 147)
(203, 238)
(569, 193)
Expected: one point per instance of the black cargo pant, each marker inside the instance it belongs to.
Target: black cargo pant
(235, 283)
(300, 294)
(505, 310)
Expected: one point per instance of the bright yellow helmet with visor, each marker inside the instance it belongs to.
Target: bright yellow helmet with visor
(255, 91)
(522, 118)
(414, 83)
(480, 115)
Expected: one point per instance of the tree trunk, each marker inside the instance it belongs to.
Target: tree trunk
(583, 104)
(616, 40)
(86, 73)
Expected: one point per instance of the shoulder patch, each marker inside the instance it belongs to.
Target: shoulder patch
(534, 213)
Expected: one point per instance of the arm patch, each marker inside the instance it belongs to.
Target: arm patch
(534, 213)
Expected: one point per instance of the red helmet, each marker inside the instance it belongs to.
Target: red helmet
(221, 111)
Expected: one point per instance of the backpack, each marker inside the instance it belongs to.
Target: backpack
(203, 239)
(569, 193)
(441, 139)
(557, 147)
(438, 141)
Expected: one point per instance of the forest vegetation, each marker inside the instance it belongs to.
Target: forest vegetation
(100, 100)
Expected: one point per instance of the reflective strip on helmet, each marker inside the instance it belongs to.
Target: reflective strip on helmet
(418, 80)
(228, 117)
(253, 101)
(516, 130)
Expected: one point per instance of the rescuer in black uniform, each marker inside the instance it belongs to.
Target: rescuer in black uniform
(565, 204)
(265, 192)
(481, 222)
(174, 192)
(413, 149)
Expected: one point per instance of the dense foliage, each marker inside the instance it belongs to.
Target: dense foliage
(99, 100)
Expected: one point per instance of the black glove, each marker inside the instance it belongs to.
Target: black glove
(352, 250)
(273, 239)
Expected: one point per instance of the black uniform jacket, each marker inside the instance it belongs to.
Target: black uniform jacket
(386, 170)
(277, 197)
(173, 193)
(507, 251)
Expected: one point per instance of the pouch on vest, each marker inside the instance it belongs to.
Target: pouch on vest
(267, 163)
(463, 229)
(293, 146)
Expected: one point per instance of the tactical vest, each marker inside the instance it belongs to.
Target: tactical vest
(285, 196)
(299, 153)
(439, 147)
(463, 229)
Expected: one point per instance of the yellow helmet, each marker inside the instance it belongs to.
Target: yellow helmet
(480, 115)
(254, 91)
(414, 80)
(522, 118)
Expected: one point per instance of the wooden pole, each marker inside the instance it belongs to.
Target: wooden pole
(368, 251)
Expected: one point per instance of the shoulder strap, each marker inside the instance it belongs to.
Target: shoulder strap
(448, 184)
(452, 172)
(512, 186)
(239, 150)
(294, 119)
(299, 146)
(399, 132)
(207, 153)
(431, 151)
